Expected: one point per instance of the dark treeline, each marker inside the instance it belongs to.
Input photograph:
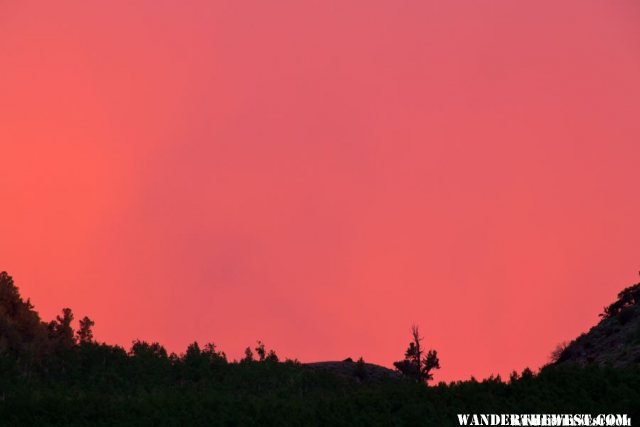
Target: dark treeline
(51, 374)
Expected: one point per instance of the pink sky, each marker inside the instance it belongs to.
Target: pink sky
(322, 174)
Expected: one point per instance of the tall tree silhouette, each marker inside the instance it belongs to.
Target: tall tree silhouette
(416, 365)
(261, 351)
(60, 330)
(22, 333)
(248, 356)
(85, 332)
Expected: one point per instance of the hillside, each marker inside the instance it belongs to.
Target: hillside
(359, 370)
(614, 341)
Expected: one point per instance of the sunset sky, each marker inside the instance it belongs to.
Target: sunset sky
(320, 175)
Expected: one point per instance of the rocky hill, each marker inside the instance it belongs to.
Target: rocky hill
(614, 341)
(359, 370)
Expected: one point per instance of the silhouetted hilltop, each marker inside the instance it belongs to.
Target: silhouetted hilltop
(359, 370)
(614, 341)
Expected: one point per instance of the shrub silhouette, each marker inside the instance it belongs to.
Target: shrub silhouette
(627, 297)
(560, 353)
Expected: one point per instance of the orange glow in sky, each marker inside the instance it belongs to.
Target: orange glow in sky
(322, 174)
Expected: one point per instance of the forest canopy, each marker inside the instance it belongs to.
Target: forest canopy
(54, 374)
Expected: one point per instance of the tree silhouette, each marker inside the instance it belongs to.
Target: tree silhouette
(22, 333)
(248, 355)
(145, 351)
(263, 354)
(85, 332)
(261, 351)
(60, 330)
(272, 357)
(10, 301)
(214, 356)
(415, 365)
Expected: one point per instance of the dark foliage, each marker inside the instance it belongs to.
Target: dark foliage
(360, 370)
(626, 298)
(85, 332)
(50, 376)
(416, 365)
(561, 353)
